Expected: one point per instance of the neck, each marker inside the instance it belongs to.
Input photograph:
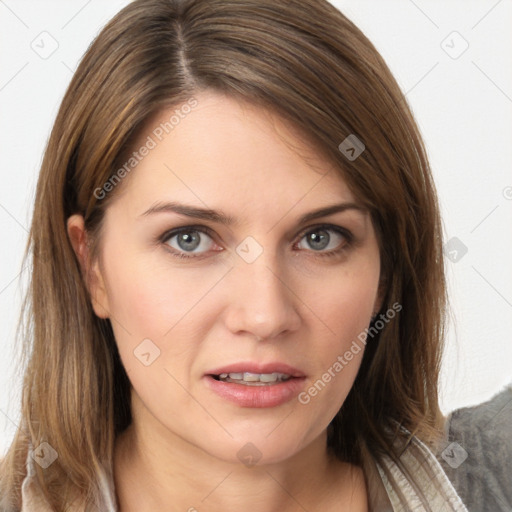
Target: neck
(154, 468)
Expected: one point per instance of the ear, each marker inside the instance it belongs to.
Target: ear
(93, 276)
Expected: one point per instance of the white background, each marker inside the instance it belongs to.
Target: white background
(463, 106)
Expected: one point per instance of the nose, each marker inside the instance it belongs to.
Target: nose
(261, 301)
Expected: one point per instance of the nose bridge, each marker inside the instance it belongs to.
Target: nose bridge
(261, 302)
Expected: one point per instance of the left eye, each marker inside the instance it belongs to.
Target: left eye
(323, 239)
(190, 240)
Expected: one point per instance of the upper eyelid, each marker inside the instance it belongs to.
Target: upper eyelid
(332, 227)
(176, 231)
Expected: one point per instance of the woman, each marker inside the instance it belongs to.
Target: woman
(237, 295)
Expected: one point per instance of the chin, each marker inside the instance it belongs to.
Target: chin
(257, 448)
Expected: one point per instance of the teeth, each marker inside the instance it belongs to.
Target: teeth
(251, 377)
(254, 378)
(268, 377)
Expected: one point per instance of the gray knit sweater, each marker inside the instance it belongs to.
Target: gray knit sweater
(477, 456)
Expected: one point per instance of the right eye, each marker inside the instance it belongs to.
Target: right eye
(187, 241)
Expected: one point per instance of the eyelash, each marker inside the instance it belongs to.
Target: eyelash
(347, 235)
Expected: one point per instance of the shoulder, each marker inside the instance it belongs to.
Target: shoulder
(416, 480)
(22, 492)
(33, 498)
(477, 456)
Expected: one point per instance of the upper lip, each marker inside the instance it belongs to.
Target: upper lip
(252, 367)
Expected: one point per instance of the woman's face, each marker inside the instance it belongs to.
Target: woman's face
(207, 269)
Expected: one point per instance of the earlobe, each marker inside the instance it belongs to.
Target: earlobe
(92, 273)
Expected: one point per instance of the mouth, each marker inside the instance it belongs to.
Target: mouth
(256, 385)
(253, 379)
(255, 374)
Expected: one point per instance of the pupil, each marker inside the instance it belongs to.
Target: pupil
(188, 241)
(319, 240)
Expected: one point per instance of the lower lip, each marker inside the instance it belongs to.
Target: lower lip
(270, 395)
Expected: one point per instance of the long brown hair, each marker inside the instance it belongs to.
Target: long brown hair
(304, 60)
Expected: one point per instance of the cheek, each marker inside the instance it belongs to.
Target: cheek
(344, 305)
(345, 301)
(337, 358)
(150, 298)
(150, 292)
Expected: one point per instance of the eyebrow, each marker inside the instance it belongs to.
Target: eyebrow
(227, 220)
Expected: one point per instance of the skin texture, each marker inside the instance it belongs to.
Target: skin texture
(292, 305)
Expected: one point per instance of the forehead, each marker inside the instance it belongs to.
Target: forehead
(228, 154)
